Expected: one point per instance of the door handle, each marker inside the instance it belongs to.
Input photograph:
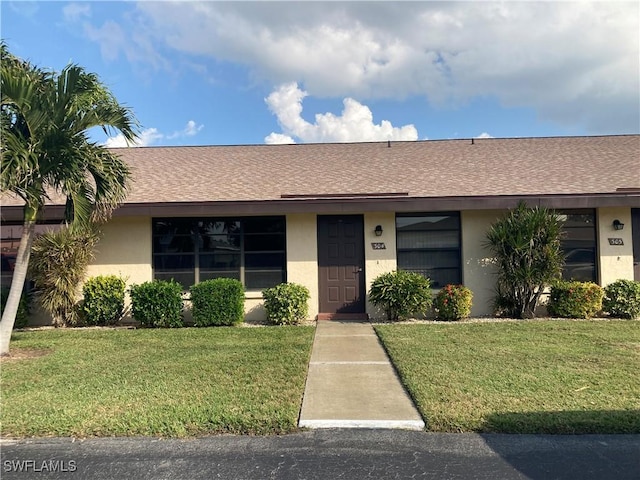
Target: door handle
(358, 270)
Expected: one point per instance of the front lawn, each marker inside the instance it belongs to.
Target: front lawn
(550, 376)
(181, 382)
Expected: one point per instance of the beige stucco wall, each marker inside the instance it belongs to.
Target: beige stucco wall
(254, 307)
(616, 261)
(478, 271)
(378, 261)
(302, 255)
(124, 250)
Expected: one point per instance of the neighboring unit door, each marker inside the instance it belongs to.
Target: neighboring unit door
(635, 233)
(341, 264)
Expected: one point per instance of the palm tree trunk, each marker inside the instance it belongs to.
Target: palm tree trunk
(17, 282)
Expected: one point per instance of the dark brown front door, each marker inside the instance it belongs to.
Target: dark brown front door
(341, 264)
(635, 233)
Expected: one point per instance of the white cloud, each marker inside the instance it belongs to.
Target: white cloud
(355, 124)
(110, 36)
(25, 8)
(147, 137)
(575, 63)
(117, 142)
(278, 138)
(136, 42)
(73, 12)
(485, 135)
(190, 129)
(151, 136)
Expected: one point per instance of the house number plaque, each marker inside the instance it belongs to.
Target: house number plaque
(616, 241)
(378, 246)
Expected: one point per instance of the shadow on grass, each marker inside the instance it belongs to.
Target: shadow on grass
(565, 422)
(594, 454)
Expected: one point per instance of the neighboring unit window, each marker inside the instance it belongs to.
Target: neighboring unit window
(191, 250)
(11, 235)
(579, 245)
(430, 245)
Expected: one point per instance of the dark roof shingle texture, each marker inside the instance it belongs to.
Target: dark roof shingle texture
(439, 168)
(530, 166)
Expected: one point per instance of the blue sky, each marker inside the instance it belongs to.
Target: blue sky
(226, 73)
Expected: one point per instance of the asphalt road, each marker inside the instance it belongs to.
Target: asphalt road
(328, 454)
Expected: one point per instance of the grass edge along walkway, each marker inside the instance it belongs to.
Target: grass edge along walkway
(549, 376)
(164, 382)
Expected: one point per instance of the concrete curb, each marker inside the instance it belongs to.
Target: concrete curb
(369, 424)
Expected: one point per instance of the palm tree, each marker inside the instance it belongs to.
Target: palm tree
(45, 118)
(526, 245)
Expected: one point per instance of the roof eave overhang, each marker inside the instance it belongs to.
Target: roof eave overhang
(373, 204)
(346, 205)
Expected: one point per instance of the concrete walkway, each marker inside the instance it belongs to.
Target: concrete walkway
(352, 384)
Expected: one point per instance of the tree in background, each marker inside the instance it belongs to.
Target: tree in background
(526, 245)
(45, 118)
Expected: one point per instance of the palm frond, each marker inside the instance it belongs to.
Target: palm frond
(45, 118)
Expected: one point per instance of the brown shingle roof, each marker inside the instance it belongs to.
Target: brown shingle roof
(421, 169)
(528, 166)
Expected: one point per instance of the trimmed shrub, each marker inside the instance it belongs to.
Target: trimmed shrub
(24, 307)
(401, 294)
(157, 303)
(103, 302)
(575, 299)
(453, 302)
(217, 302)
(622, 299)
(287, 303)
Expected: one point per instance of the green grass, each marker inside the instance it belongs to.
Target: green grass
(521, 377)
(170, 383)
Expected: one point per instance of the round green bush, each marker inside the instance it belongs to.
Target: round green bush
(217, 302)
(575, 299)
(157, 303)
(103, 302)
(453, 302)
(622, 299)
(400, 294)
(286, 303)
